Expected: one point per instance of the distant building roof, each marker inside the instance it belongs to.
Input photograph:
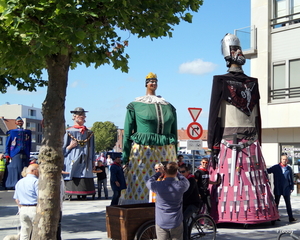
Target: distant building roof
(182, 135)
(6, 124)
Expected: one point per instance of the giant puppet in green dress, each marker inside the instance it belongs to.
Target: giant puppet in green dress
(150, 137)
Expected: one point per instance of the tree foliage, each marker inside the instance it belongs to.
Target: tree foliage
(57, 35)
(105, 135)
(87, 29)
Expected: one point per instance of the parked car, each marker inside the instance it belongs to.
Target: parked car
(188, 159)
(34, 154)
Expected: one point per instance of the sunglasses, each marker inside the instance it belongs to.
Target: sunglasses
(204, 162)
(182, 171)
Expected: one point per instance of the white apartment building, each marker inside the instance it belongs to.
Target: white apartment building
(275, 60)
(32, 120)
(12, 111)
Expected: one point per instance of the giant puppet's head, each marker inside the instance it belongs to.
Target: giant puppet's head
(19, 122)
(79, 115)
(151, 77)
(232, 51)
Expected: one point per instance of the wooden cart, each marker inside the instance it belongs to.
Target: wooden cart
(124, 221)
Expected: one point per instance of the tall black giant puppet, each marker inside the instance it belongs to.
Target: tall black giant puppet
(234, 132)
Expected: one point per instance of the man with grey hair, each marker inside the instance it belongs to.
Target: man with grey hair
(26, 195)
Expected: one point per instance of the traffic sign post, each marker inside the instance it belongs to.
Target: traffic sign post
(194, 145)
(194, 131)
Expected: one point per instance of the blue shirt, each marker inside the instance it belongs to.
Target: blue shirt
(169, 193)
(27, 190)
(116, 174)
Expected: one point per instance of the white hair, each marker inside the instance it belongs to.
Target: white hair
(159, 165)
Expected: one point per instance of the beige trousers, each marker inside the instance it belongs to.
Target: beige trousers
(27, 217)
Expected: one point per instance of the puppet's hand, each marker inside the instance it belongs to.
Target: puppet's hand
(216, 153)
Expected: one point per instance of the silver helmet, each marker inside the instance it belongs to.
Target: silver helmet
(232, 51)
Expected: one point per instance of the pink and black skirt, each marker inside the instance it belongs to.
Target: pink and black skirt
(244, 195)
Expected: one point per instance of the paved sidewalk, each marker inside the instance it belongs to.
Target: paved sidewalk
(86, 220)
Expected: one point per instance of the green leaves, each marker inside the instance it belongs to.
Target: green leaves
(105, 135)
(86, 30)
(188, 17)
(80, 34)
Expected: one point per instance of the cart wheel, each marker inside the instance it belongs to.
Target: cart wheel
(246, 226)
(69, 197)
(146, 231)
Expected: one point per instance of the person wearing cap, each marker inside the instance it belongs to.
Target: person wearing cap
(150, 137)
(18, 146)
(234, 134)
(79, 155)
(26, 195)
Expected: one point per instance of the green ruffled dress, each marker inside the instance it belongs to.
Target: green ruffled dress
(150, 137)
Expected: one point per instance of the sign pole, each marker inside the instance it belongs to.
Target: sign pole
(194, 131)
(193, 161)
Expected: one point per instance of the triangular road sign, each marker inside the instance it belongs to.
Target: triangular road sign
(195, 112)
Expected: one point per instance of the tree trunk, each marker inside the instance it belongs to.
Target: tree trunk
(51, 156)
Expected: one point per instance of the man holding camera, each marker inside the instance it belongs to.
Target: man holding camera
(168, 207)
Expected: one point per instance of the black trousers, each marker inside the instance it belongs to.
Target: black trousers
(205, 200)
(287, 200)
(115, 197)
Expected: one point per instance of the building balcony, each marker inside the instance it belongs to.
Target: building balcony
(247, 36)
(285, 93)
(285, 21)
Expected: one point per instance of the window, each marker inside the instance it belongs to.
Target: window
(39, 127)
(294, 73)
(294, 78)
(295, 6)
(32, 113)
(280, 8)
(293, 152)
(33, 138)
(1, 140)
(286, 80)
(278, 81)
(31, 126)
(40, 138)
(279, 76)
(285, 12)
